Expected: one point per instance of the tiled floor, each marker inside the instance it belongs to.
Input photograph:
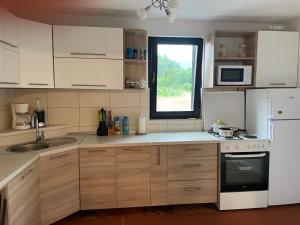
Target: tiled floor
(187, 215)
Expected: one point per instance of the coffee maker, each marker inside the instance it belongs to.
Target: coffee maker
(21, 117)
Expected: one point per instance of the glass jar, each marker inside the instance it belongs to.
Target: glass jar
(242, 50)
(223, 53)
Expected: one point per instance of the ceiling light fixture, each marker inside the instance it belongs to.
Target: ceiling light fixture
(169, 6)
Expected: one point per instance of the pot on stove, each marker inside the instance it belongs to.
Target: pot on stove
(226, 131)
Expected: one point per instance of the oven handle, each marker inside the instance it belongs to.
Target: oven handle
(245, 156)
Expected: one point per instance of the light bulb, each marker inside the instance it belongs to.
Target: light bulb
(144, 12)
(173, 5)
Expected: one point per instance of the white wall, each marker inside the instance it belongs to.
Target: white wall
(295, 25)
(153, 26)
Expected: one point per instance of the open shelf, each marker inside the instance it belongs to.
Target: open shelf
(139, 61)
(234, 58)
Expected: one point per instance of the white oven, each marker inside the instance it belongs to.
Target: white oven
(234, 75)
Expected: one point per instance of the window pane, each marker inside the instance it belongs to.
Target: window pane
(176, 72)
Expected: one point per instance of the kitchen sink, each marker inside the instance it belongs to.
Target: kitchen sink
(48, 143)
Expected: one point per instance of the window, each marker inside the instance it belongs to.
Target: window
(175, 67)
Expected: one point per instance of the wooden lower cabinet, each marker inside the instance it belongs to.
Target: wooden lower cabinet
(23, 197)
(97, 178)
(159, 175)
(59, 186)
(133, 176)
(191, 192)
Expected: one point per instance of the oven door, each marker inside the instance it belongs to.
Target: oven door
(244, 171)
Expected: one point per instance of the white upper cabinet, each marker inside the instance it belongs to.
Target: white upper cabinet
(9, 51)
(9, 37)
(88, 42)
(88, 57)
(277, 59)
(36, 57)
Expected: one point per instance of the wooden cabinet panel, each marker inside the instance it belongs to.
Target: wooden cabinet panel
(88, 42)
(189, 192)
(192, 168)
(59, 184)
(36, 58)
(192, 150)
(23, 199)
(97, 178)
(159, 175)
(133, 176)
(277, 59)
(88, 73)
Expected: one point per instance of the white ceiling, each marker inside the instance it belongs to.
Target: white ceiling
(217, 10)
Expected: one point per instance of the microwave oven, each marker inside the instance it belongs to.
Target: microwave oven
(234, 75)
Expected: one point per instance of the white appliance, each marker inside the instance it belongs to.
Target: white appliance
(234, 75)
(243, 173)
(228, 106)
(275, 114)
(21, 119)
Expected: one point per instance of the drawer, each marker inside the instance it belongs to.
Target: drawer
(192, 168)
(193, 150)
(192, 192)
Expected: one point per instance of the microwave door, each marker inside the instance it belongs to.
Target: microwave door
(231, 76)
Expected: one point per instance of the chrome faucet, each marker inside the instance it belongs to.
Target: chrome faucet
(39, 135)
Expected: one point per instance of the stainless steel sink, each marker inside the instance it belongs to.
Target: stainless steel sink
(48, 143)
(53, 142)
(28, 147)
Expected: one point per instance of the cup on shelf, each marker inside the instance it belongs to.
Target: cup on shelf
(129, 53)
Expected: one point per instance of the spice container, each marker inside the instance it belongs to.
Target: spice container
(117, 122)
(242, 50)
(223, 53)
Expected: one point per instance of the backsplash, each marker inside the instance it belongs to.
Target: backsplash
(79, 108)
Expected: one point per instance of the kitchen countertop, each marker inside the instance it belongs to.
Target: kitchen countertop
(11, 164)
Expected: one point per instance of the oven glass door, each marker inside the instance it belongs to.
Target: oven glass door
(232, 75)
(244, 171)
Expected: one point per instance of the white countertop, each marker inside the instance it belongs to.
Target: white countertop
(11, 164)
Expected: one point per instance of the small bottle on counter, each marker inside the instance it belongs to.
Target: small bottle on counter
(117, 122)
(125, 125)
(40, 112)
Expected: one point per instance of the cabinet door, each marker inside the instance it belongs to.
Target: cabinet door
(11, 33)
(23, 200)
(2, 67)
(133, 176)
(36, 58)
(159, 175)
(12, 67)
(88, 73)
(88, 42)
(277, 59)
(97, 178)
(59, 184)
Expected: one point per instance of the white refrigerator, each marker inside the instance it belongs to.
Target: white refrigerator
(275, 114)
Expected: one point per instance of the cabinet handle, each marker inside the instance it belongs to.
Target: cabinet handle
(133, 149)
(192, 149)
(8, 44)
(9, 82)
(89, 85)
(192, 189)
(93, 151)
(25, 175)
(41, 84)
(191, 165)
(158, 155)
(88, 53)
(277, 84)
(58, 157)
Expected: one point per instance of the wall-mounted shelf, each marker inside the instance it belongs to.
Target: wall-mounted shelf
(234, 58)
(135, 69)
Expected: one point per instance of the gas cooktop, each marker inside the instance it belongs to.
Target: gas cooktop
(240, 135)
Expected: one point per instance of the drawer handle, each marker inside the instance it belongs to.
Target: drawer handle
(9, 83)
(133, 149)
(192, 165)
(59, 157)
(192, 149)
(89, 85)
(96, 151)
(26, 174)
(88, 53)
(40, 84)
(277, 84)
(192, 189)
(8, 44)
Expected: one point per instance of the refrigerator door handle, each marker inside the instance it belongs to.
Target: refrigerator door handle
(271, 132)
(271, 115)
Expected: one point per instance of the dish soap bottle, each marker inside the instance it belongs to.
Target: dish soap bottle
(40, 112)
